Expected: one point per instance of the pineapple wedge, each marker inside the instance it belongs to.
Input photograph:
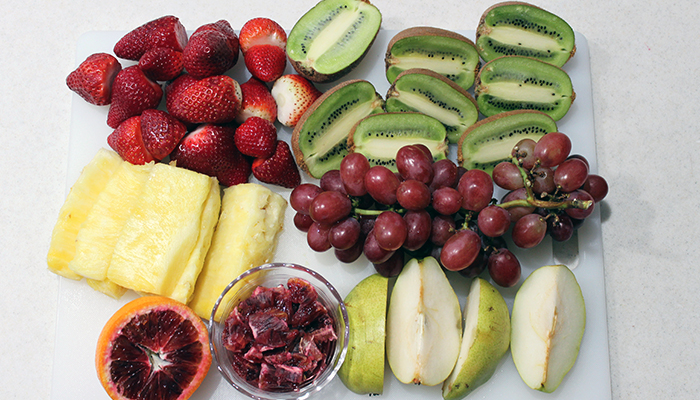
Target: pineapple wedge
(246, 236)
(81, 198)
(111, 289)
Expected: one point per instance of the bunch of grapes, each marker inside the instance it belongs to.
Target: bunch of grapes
(438, 208)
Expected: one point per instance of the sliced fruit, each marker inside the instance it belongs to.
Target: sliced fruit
(93, 78)
(166, 31)
(363, 369)
(547, 325)
(278, 169)
(422, 90)
(517, 28)
(522, 83)
(484, 343)
(246, 236)
(444, 52)
(81, 198)
(211, 50)
(380, 136)
(332, 38)
(152, 347)
(293, 95)
(107, 287)
(215, 99)
(491, 140)
(132, 93)
(319, 140)
(424, 324)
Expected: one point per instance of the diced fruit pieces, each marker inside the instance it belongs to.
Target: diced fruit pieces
(127, 141)
(211, 50)
(293, 94)
(280, 169)
(93, 78)
(162, 64)
(132, 93)
(165, 31)
(256, 137)
(257, 101)
(215, 99)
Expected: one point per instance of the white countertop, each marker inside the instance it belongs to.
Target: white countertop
(645, 79)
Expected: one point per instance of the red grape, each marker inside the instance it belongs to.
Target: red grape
(374, 253)
(301, 197)
(552, 149)
(413, 195)
(317, 237)
(419, 226)
(476, 267)
(517, 212)
(580, 213)
(390, 230)
(345, 234)
(504, 267)
(560, 227)
(507, 175)
(444, 174)
(529, 231)
(476, 188)
(302, 221)
(330, 181)
(570, 175)
(381, 184)
(413, 163)
(543, 180)
(446, 200)
(329, 207)
(349, 255)
(493, 221)
(443, 227)
(524, 151)
(392, 266)
(460, 250)
(352, 171)
(596, 186)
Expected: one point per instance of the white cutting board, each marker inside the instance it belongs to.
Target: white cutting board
(82, 312)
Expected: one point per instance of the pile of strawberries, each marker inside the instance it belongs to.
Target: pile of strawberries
(211, 124)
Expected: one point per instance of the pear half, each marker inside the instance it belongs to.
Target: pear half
(363, 369)
(424, 324)
(547, 324)
(484, 342)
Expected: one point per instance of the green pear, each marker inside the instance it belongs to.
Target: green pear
(363, 369)
(484, 342)
(547, 324)
(424, 324)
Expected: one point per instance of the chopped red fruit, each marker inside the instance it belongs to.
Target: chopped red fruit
(280, 169)
(265, 62)
(211, 50)
(132, 94)
(293, 94)
(126, 140)
(262, 31)
(216, 99)
(166, 31)
(257, 101)
(93, 78)
(161, 132)
(162, 64)
(256, 137)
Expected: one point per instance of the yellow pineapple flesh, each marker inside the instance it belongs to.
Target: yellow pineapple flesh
(107, 287)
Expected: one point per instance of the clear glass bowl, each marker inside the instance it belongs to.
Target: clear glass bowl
(271, 275)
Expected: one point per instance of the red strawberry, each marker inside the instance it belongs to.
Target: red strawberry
(265, 62)
(132, 93)
(162, 64)
(280, 169)
(262, 31)
(212, 50)
(210, 150)
(93, 78)
(256, 137)
(161, 132)
(257, 101)
(126, 140)
(216, 99)
(293, 94)
(166, 31)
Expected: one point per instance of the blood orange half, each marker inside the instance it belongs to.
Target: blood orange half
(153, 348)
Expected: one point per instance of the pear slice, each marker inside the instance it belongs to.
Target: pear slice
(424, 324)
(547, 324)
(484, 342)
(363, 369)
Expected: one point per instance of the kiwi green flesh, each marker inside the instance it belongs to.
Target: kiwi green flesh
(380, 136)
(517, 83)
(491, 140)
(321, 139)
(333, 35)
(455, 59)
(420, 92)
(525, 30)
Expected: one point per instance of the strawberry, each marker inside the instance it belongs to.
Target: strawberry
(132, 93)
(210, 150)
(211, 50)
(166, 31)
(93, 78)
(216, 99)
(280, 169)
(126, 140)
(262, 31)
(162, 63)
(257, 101)
(161, 132)
(256, 137)
(293, 94)
(265, 62)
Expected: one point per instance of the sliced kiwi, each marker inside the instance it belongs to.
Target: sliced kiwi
(319, 140)
(380, 136)
(517, 28)
(522, 83)
(332, 38)
(422, 90)
(491, 140)
(445, 52)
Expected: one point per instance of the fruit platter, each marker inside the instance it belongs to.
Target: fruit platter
(83, 312)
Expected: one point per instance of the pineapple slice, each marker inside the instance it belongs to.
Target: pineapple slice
(246, 236)
(107, 287)
(80, 199)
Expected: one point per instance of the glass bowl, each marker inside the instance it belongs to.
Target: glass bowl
(272, 275)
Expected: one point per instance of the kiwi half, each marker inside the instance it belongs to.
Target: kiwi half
(517, 28)
(332, 38)
(422, 90)
(444, 52)
(522, 83)
(380, 136)
(492, 139)
(319, 140)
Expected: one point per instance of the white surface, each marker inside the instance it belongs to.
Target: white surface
(82, 312)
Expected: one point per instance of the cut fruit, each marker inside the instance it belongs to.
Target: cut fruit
(152, 348)
(319, 140)
(491, 140)
(522, 83)
(517, 28)
(444, 52)
(332, 38)
(107, 287)
(547, 325)
(427, 92)
(380, 136)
